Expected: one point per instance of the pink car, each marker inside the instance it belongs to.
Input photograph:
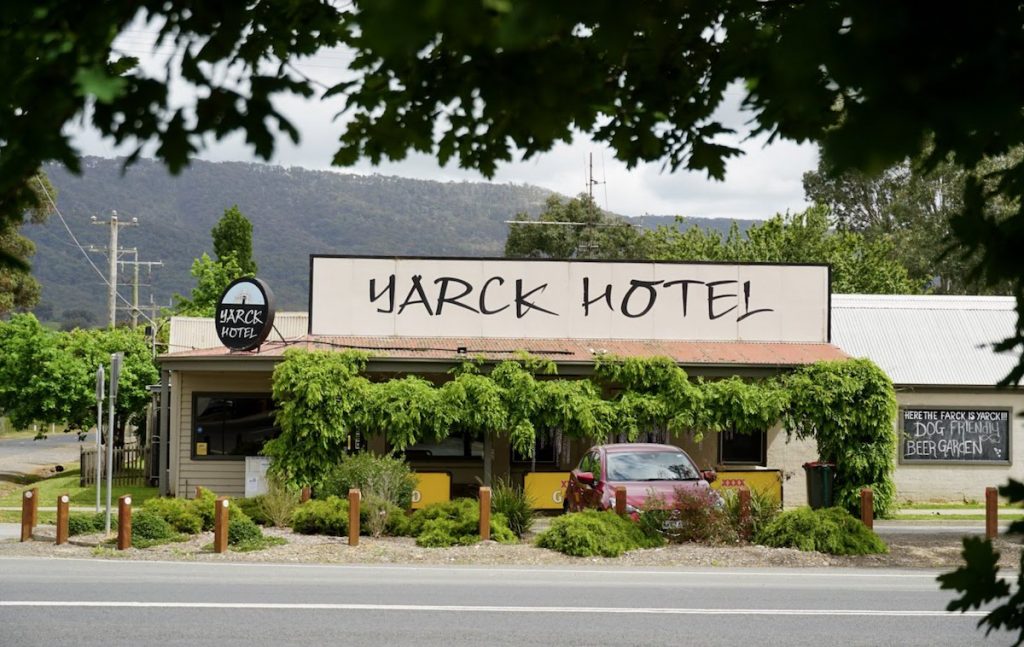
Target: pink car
(642, 468)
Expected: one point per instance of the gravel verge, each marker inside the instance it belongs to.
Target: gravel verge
(940, 551)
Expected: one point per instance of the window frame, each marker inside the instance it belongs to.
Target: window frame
(762, 460)
(255, 395)
(467, 452)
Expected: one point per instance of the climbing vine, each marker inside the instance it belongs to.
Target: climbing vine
(847, 407)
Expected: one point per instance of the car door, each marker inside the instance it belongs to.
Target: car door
(582, 495)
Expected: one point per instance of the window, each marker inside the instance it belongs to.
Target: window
(457, 445)
(544, 450)
(651, 466)
(735, 448)
(231, 427)
(591, 463)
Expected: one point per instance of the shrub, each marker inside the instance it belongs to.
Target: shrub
(830, 530)
(593, 533)
(511, 500)
(253, 508)
(277, 505)
(326, 517)
(379, 517)
(181, 514)
(764, 507)
(383, 477)
(150, 529)
(84, 524)
(699, 517)
(243, 530)
(455, 523)
(204, 507)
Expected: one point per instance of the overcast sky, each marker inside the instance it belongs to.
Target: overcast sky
(765, 181)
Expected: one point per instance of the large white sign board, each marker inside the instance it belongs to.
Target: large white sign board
(492, 298)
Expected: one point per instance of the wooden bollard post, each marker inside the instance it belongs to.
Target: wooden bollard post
(199, 491)
(620, 500)
(354, 497)
(220, 525)
(867, 508)
(991, 512)
(744, 500)
(485, 513)
(62, 519)
(29, 512)
(124, 522)
(307, 494)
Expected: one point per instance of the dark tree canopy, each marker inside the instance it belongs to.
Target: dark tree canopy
(232, 238)
(481, 82)
(575, 228)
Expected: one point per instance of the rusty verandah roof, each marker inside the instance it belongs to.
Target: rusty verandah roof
(709, 353)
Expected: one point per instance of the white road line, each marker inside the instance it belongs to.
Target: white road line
(836, 572)
(435, 608)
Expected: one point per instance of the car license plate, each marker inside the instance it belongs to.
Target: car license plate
(672, 524)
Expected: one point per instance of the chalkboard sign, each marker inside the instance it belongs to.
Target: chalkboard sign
(956, 435)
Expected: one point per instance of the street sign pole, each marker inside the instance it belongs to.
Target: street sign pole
(99, 429)
(115, 374)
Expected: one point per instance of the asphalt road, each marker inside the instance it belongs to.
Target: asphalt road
(94, 602)
(25, 456)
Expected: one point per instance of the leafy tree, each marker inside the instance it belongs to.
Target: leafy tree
(232, 238)
(212, 278)
(592, 233)
(910, 209)
(18, 288)
(49, 376)
(859, 265)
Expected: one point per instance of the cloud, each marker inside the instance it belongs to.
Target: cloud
(762, 182)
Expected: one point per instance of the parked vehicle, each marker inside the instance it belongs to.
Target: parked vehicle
(644, 469)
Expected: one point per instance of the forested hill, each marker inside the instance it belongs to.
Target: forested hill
(294, 212)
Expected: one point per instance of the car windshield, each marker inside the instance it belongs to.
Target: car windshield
(651, 466)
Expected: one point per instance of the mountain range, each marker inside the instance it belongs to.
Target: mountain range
(295, 212)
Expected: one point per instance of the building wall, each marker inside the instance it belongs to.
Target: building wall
(957, 482)
(223, 477)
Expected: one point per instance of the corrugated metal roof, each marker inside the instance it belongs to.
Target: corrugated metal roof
(194, 333)
(691, 353)
(927, 340)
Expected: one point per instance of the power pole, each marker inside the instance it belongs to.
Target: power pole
(135, 282)
(112, 252)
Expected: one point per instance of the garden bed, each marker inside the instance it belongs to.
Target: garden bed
(940, 551)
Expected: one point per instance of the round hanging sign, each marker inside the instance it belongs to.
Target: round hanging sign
(245, 314)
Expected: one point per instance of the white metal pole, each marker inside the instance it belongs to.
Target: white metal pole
(99, 432)
(110, 457)
(112, 288)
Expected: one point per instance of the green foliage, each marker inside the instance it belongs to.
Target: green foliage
(49, 376)
(212, 278)
(204, 506)
(601, 235)
(232, 239)
(379, 516)
(383, 477)
(979, 583)
(18, 287)
(849, 408)
(592, 533)
(242, 529)
(859, 264)
(828, 530)
(88, 523)
(319, 396)
(511, 500)
(321, 517)
(698, 517)
(180, 513)
(764, 507)
(150, 529)
(455, 523)
(273, 508)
